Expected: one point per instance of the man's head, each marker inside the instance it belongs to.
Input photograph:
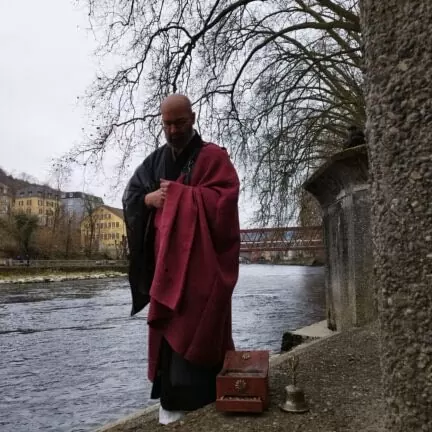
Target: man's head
(177, 120)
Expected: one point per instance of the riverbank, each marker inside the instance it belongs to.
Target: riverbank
(47, 275)
(339, 373)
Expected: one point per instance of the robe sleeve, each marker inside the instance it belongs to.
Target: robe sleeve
(139, 229)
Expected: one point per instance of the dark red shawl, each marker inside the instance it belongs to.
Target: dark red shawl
(197, 263)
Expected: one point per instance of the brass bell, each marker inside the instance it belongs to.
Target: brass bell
(294, 396)
(294, 400)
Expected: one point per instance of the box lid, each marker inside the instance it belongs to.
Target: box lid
(246, 362)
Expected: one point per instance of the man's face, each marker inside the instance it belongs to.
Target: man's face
(178, 124)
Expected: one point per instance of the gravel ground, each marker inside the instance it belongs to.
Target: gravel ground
(342, 382)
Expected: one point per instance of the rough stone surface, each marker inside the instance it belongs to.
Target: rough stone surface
(341, 379)
(342, 188)
(398, 49)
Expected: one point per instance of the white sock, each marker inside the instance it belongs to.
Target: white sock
(166, 417)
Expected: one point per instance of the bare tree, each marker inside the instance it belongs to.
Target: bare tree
(57, 219)
(90, 224)
(277, 82)
(23, 229)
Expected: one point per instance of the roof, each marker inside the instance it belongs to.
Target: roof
(81, 195)
(37, 190)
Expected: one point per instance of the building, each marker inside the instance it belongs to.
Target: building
(5, 200)
(41, 201)
(104, 231)
(79, 204)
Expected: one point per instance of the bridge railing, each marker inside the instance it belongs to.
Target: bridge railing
(281, 239)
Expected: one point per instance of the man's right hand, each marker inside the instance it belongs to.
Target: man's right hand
(155, 199)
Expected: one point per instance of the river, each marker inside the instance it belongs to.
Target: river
(73, 359)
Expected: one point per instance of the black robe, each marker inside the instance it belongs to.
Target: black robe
(139, 218)
(180, 385)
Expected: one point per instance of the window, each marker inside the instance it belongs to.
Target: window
(29, 202)
(117, 235)
(40, 211)
(105, 225)
(28, 211)
(117, 224)
(105, 236)
(109, 224)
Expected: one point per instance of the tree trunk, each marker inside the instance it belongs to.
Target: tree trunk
(398, 53)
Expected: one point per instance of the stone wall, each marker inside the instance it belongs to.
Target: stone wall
(342, 188)
(398, 65)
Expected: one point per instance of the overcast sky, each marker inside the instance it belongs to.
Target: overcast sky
(46, 62)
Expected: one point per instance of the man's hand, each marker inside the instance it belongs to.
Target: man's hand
(155, 199)
(164, 185)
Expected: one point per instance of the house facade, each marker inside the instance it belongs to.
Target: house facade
(104, 231)
(41, 201)
(5, 200)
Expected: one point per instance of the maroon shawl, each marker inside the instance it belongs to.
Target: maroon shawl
(197, 262)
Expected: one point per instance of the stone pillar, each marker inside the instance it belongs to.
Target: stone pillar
(341, 187)
(398, 60)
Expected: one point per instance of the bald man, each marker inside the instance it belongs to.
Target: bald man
(181, 213)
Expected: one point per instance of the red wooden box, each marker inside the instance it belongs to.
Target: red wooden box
(242, 384)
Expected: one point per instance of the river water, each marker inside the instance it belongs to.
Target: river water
(72, 358)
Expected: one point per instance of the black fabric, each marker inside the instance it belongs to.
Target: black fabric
(181, 385)
(139, 218)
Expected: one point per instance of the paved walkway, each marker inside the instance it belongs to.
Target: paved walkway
(341, 378)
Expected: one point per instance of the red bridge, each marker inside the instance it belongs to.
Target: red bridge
(281, 239)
